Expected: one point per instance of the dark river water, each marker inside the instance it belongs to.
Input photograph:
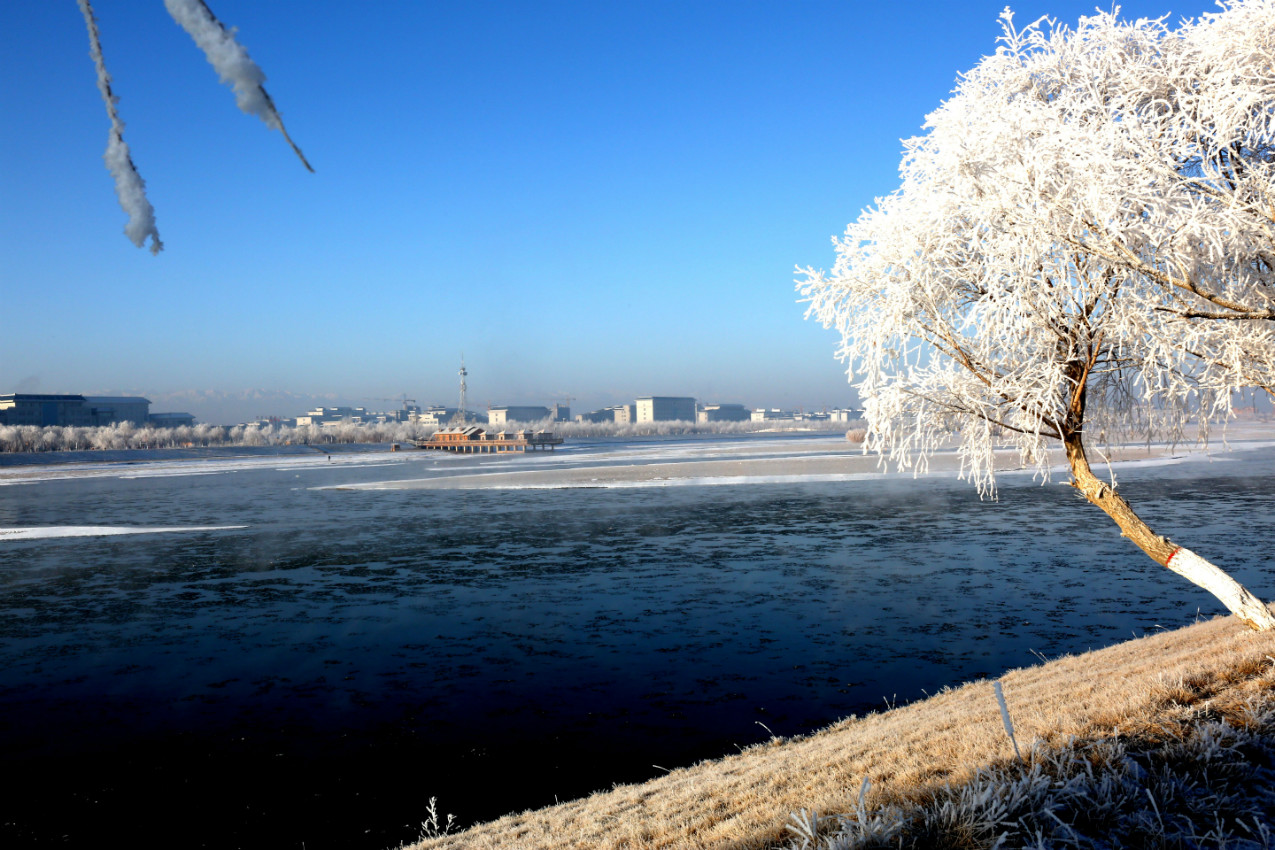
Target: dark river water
(314, 678)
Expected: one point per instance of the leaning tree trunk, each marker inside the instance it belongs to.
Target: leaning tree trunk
(1251, 610)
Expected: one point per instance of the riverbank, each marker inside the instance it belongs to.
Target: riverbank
(266, 658)
(744, 462)
(1154, 684)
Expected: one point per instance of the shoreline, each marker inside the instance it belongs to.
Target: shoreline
(730, 459)
(744, 801)
(558, 605)
(826, 465)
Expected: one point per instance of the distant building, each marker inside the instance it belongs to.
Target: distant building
(471, 439)
(405, 413)
(458, 437)
(512, 413)
(110, 409)
(763, 414)
(433, 417)
(846, 414)
(606, 414)
(333, 415)
(43, 410)
(173, 420)
(724, 413)
(560, 413)
(665, 409)
(621, 414)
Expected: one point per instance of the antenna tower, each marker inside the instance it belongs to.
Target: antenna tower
(460, 414)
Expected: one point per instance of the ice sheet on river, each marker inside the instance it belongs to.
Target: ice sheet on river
(804, 463)
(157, 464)
(584, 463)
(45, 532)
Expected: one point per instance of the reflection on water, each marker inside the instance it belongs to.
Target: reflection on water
(319, 675)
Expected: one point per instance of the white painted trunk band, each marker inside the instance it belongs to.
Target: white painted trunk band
(1232, 594)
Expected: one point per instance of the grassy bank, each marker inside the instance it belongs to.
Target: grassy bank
(1140, 696)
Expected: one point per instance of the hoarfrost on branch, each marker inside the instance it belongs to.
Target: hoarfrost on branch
(235, 68)
(233, 64)
(1091, 212)
(130, 188)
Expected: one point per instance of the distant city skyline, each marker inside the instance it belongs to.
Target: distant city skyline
(600, 201)
(227, 408)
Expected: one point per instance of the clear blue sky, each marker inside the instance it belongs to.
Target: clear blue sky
(601, 199)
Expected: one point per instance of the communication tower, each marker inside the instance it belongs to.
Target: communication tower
(460, 414)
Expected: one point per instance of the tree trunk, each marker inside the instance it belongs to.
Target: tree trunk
(1251, 610)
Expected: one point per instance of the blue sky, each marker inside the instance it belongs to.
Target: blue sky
(595, 199)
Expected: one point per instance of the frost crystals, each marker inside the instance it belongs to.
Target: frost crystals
(129, 186)
(232, 62)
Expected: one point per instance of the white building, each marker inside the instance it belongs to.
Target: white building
(769, 414)
(505, 414)
(437, 416)
(662, 408)
(331, 415)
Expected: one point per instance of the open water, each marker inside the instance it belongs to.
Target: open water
(312, 678)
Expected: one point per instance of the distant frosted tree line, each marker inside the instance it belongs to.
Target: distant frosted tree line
(126, 435)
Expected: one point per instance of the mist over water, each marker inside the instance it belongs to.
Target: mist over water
(318, 675)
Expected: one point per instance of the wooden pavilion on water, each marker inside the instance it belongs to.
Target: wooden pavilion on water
(474, 440)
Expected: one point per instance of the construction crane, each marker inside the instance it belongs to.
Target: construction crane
(403, 398)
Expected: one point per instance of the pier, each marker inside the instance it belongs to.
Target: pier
(474, 440)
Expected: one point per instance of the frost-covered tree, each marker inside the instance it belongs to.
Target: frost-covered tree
(1082, 249)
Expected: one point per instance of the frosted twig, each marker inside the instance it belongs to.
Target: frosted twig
(235, 68)
(1111, 472)
(1009, 724)
(129, 186)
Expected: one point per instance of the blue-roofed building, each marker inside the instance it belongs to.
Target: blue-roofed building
(43, 409)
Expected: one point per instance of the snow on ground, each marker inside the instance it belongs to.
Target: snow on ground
(50, 531)
(627, 463)
(161, 468)
(829, 461)
(772, 462)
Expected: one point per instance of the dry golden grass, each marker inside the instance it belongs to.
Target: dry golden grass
(743, 801)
